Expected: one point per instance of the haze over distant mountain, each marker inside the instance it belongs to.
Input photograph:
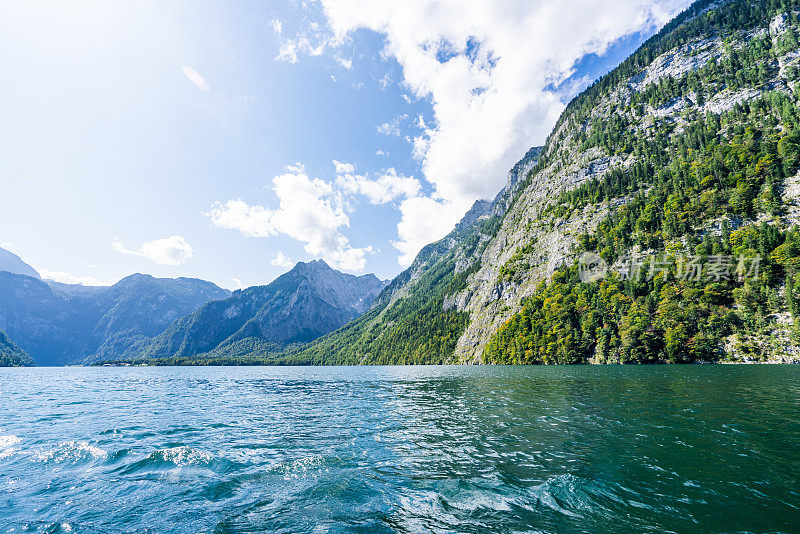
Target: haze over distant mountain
(12, 263)
(309, 301)
(60, 324)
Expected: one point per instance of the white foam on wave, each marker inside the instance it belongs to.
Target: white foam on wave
(8, 441)
(70, 451)
(182, 456)
(8, 445)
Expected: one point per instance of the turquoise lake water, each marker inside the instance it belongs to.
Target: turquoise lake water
(401, 449)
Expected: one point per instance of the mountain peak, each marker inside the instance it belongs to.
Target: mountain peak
(314, 266)
(304, 303)
(480, 209)
(320, 263)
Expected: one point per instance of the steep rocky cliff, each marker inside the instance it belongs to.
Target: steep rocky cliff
(718, 83)
(689, 148)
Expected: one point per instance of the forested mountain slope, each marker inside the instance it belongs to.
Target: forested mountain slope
(11, 355)
(687, 152)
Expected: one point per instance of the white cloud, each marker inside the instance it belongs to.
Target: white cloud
(194, 77)
(173, 250)
(487, 68)
(237, 284)
(309, 210)
(66, 278)
(346, 63)
(381, 152)
(393, 127)
(252, 221)
(312, 41)
(387, 187)
(287, 52)
(421, 224)
(281, 260)
(277, 26)
(344, 168)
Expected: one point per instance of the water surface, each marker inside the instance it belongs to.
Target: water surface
(401, 449)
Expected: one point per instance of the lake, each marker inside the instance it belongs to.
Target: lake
(401, 449)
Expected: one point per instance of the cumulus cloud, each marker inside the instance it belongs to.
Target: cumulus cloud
(252, 221)
(173, 250)
(66, 278)
(387, 187)
(488, 69)
(282, 260)
(194, 77)
(310, 211)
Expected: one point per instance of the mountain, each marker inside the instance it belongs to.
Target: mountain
(11, 355)
(12, 263)
(687, 153)
(310, 300)
(61, 324)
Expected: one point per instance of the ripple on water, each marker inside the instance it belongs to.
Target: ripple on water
(400, 450)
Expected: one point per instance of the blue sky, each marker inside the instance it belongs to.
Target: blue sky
(228, 140)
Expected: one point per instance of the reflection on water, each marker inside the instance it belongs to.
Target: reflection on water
(401, 449)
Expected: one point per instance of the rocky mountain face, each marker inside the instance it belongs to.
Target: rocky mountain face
(688, 150)
(12, 263)
(11, 355)
(309, 301)
(60, 324)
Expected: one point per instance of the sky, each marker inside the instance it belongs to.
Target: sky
(229, 140)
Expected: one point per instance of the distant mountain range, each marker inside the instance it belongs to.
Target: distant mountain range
(142, 316)
(60, 324)
(309, 301)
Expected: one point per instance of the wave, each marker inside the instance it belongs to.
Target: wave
(167, 459)
(182, 456)
(70, 452)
